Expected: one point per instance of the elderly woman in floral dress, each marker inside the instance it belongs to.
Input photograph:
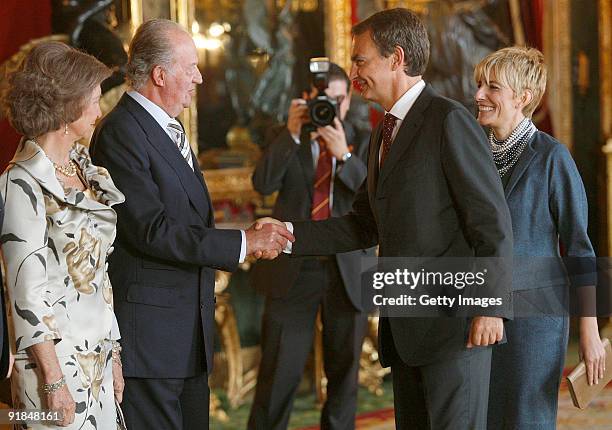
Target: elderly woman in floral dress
(57, 232)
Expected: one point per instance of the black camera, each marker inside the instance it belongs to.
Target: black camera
(321, 109)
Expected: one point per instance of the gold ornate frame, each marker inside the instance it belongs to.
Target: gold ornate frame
(338, 32)
(557, 50)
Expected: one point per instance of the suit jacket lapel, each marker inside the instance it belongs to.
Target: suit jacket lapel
(158, 138)
(407, 132)
(373, 163)
(200, 178)
(305, 157)
(524, 161)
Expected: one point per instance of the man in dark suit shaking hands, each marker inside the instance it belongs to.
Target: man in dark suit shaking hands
(167, 248)
(431, 191)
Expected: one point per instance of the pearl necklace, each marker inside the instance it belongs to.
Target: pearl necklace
(507, 152)
(69, 169)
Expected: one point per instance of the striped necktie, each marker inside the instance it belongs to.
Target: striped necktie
(178, 136)
(322, 184)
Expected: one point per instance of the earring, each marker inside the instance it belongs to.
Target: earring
(66, 129)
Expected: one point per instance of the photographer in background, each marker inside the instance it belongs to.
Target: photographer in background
(316, 169)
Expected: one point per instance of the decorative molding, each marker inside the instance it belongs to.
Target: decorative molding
(338, 32)
(231, 184)
(136, 14)
(557, 54)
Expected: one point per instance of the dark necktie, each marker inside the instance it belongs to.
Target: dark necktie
(387, 136)
(322, 184)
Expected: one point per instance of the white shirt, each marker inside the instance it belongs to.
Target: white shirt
(163, 119)
(158, 114)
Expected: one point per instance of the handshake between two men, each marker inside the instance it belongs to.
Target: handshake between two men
(267, 238)
(271, 236)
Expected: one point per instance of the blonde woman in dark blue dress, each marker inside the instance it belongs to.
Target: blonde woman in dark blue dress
(549, 211)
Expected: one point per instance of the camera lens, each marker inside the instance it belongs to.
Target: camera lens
(322, 113)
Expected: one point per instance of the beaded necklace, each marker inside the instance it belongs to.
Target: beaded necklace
(69, 169)
(507, 152)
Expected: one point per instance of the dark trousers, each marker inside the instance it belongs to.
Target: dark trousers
(447, 395)
(287, 334)
(173, 404)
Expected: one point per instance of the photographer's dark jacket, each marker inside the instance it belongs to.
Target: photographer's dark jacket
(288, 167)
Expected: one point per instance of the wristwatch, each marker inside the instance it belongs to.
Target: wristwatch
(346, 157)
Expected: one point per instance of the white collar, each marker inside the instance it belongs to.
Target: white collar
(402, 106)
(158, 114)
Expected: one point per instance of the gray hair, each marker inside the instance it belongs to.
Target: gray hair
(150, 47)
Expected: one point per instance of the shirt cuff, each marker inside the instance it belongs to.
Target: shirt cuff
(242, 247)
(289, 248)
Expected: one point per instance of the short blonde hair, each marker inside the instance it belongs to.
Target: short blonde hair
(518, 68)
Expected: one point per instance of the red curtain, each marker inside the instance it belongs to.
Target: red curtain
(20, 21)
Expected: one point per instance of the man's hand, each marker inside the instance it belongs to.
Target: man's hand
(485, 331)
(259, 224)
(267, 239)
(298, 116)
(335, 138)
(267, 220)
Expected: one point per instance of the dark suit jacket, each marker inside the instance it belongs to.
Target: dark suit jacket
(288, 168)
(437, 195)
(167, 248)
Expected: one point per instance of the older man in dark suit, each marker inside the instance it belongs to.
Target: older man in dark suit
(167, 248)
(432, 191)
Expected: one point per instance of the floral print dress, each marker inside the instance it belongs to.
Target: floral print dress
(55, 243)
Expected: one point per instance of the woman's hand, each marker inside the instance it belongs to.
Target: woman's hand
(59, 400)
(62, 402)
(118, 382)
(592, 350)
